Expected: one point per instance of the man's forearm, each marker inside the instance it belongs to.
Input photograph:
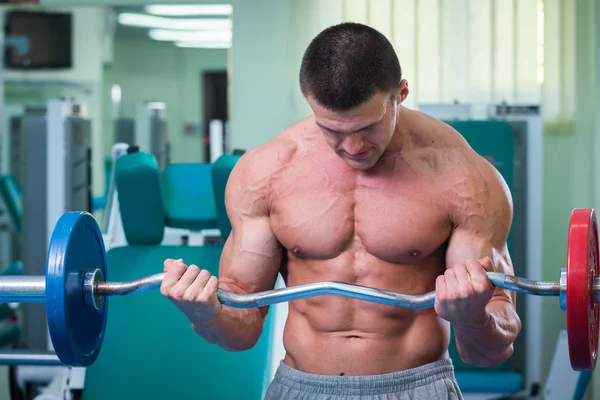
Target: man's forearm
(233, 329)
(489, 341)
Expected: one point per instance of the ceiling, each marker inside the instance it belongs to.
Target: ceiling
(136, 31)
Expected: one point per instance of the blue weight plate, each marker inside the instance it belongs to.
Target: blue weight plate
(76, 329)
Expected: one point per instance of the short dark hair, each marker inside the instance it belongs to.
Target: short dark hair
(346, 64)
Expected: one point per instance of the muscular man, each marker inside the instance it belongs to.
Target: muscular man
(371, 193)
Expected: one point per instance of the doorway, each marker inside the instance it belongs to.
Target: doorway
(215, 105)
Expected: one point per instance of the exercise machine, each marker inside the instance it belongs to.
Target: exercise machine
(148, 130)
(50, 157)
(511, 138)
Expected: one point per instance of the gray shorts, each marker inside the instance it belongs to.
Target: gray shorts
(433, 381)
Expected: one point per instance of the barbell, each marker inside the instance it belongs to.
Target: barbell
(75, 289)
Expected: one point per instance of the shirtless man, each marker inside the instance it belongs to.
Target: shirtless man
(366, 192)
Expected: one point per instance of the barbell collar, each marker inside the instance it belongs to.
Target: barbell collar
(563, 289)
(90, 292)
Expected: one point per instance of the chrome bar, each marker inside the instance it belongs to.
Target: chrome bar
(24, 357)
(523, 285)
(129, 287)
(330, 288)
(23, 289)
(323, 288)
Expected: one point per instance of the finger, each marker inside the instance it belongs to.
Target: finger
(487, 264)
(464, 281)
(185, 281)
(440, 284)
(194, 290)
(169, 262)
(478, 275)
(176, 271)
(452, 286)
(210, 290)
(440, 287)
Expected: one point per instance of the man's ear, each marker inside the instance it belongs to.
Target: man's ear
(402, 91)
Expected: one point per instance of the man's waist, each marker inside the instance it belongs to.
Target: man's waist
(398, 381)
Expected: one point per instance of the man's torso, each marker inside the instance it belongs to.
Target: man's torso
(386, 228)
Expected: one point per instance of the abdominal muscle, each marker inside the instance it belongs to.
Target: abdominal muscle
(334, 335)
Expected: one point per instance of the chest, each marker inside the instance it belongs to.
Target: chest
(322, 212)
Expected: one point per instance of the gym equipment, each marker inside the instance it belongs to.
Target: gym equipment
(53, 156)
(148, 129)
(75, 287)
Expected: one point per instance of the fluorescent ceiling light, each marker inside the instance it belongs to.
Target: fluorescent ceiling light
(190, 36)
(149, 21)
(181, 10)
(156, 105)
(203, 44)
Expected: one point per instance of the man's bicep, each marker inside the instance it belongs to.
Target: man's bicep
(252, 254)
(481, 229)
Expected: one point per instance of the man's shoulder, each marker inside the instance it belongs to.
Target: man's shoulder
(463, 173)
(430, 132)
(273, 153)
(261, 162)
(440, 140)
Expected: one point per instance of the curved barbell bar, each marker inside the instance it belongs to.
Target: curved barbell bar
(303, 291)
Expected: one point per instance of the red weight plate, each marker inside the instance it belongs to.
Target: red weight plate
(583, 315)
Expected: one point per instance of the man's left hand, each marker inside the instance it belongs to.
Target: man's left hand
(463, 293)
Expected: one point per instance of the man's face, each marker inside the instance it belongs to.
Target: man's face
(359, 136)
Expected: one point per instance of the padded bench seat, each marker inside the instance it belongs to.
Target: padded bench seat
(187, 192)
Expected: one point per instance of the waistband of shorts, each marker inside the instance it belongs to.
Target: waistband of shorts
(366, 384)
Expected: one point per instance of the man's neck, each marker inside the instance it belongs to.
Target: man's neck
(401, 133)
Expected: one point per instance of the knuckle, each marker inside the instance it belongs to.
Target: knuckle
(449, 296)
(474, 267)
(191, 295)
(178, 269)
(480, 284)
(204, 274)
(178, 293)
(203, 297)
(164, 290)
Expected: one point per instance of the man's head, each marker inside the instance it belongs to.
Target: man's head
(351, 77)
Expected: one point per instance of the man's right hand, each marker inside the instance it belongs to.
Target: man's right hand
(192, 290)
